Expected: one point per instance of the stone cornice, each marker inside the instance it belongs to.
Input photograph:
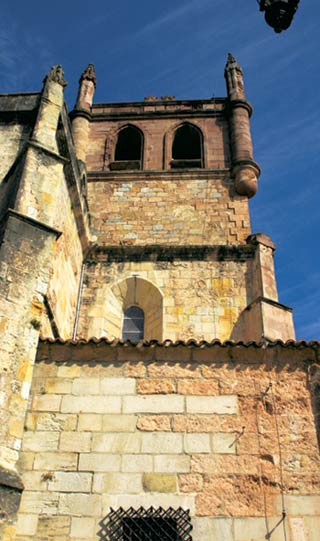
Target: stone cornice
(162, 252)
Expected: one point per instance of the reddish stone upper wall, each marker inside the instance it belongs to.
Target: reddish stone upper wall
(158, 121)
(159, 204)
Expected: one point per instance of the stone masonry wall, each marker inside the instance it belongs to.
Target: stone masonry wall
(158, 136)
(12, 138)
(169, 208)
(200, 428)
(200, 299)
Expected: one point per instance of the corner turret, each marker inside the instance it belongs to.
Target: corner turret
(81, 114)
(244, 169)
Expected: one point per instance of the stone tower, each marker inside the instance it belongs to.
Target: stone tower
(168, 189)
(131, 221)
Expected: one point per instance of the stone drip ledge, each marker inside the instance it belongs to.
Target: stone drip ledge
(292, 355)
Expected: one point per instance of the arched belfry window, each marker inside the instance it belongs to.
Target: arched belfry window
(187, 151)
(133, 324)
(129, 149)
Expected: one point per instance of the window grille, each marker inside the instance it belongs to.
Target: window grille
(146, 525)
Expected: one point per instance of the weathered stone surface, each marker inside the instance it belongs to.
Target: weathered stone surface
(153, 423)
(159, 482)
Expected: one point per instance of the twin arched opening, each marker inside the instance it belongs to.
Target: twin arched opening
(186, 148)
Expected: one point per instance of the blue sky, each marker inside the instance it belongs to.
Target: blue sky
(145, 48)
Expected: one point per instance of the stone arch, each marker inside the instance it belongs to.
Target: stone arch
(135, 291)
(169, 140)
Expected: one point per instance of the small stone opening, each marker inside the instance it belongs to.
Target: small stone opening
(146, 525)
(187, 147)
(129, 147)
(133, 324)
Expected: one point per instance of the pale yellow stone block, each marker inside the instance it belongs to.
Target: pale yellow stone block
(210, 529)
(75, 441)
(137, 463)
(86, 386)
(44, 503)
(153, 404)
(299, 505)
(256, 529)
(166, 442)
(117, 443)
(58, 386)
(119, 423)
(91, 404)
(46, 403)
(224, 405)
(99, 462)
(197, 443)
(77, 504)
(40, 441)
(117, 483)
(82, 527)
(118, 386)
(72, 371)
(224, 442)
(90, 422)
(70, 482)
(56, 461)
(172, 463)
(27, 524)
(159, 482)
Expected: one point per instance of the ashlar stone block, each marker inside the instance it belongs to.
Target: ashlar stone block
(159, 482)
(210, 529)
(118, 386)
(172, 463)
(27, 524)
(227, 404)
(137, 463)
(116, 443)
(75, 504)
(82, 527)
(224, 442)
(91, 404)
(153, 404)
(197, 443)
(164, 441)
(117, 483)
(70, 482)
(99, 462)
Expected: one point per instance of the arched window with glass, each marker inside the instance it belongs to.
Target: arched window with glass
(133, 324)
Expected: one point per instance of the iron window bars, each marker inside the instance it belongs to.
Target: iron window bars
(146, 525)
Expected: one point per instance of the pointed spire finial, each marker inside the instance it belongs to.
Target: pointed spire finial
(89, 75)
(56, 74)
(232, 63)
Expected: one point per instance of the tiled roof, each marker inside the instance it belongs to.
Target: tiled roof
(191, 343)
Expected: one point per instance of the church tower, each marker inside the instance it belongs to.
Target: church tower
(150, 383)
(168, 188)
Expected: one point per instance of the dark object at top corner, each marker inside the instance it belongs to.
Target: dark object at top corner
(279, 13)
